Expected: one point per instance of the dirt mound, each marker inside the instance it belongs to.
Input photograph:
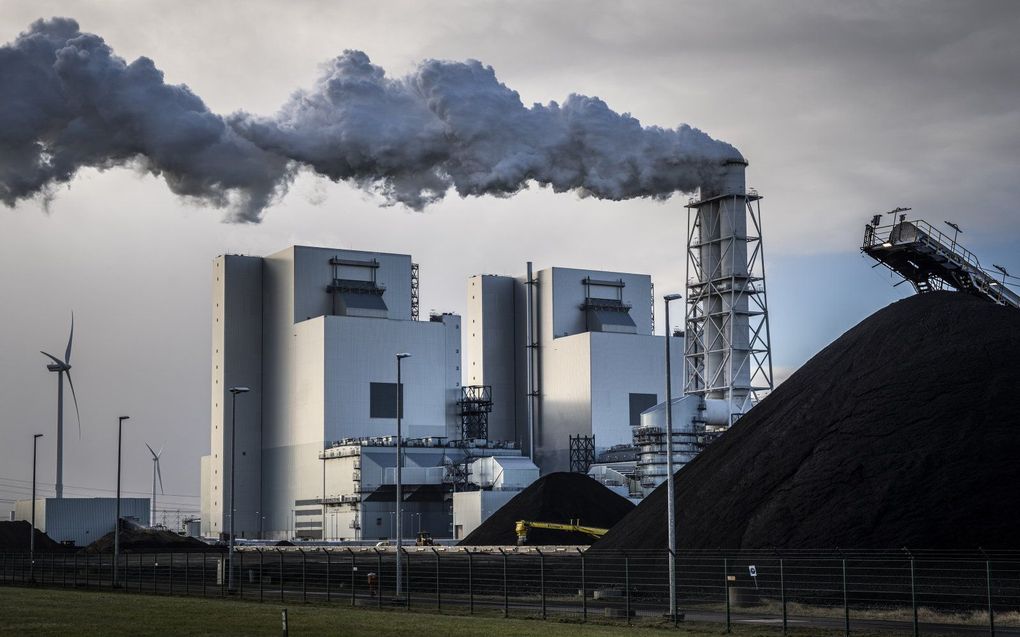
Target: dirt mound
(557, 497)
(14, 537)
(902, 432)
(135, 538)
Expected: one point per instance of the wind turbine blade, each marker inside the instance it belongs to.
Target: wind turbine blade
(160, 452)
(53, 358)
(151, 451)
(160, 474)
(73, 395)
(70, 337)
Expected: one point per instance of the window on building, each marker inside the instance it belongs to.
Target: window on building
(640, 403)
(383, 400)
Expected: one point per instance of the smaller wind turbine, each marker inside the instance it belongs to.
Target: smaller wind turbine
(156, 473)
(62, 367)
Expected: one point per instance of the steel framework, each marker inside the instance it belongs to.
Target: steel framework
(474, 407)
(415, 312)
(727, 347)
(930, 260)
(582, 453)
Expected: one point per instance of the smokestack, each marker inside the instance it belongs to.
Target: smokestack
(71, 103)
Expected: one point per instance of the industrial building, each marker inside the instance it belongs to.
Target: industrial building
(571, 356)
(81, 520)
(314, 333)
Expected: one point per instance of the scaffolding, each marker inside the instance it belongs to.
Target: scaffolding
(414, 292)
(582, 453)
(727, 349)
(474, 407)
(931, 261)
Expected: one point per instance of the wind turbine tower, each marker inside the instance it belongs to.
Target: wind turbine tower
(156, 473)
(62, 368)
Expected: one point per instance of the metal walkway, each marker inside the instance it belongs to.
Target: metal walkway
(931, 261)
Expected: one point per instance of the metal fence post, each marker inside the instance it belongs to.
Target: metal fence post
(626, 583)
(988, 583)
(261, 578)
(63, 570)
(782, 592)
(506, 591)
(280, 552)
(541, 578)
(726, 590)
(439, 598)
(584, 589)
(378, 581)
(407, 579)
(171, 573)
(846, 604)
(354, 570)
(326, 553)
(304, 579)
(75, 576)
(913, 594)
(187, 566)
(471, 584)
(240, 572)
(204, 576)
(155, 574)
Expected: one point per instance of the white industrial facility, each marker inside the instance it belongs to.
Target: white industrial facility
(571, 356)
(314, 333)
(562, 370)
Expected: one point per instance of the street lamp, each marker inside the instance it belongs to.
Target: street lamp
(670, 505)
(31, 539)
(234, 391)
(400, 407)
(116, 522)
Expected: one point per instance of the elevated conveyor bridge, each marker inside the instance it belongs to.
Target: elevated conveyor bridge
(930, 260)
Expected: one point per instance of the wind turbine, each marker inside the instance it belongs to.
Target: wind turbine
(62, 367)
(155, 473)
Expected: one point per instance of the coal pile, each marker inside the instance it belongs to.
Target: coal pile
(135, 538)
(902, 432)
(559, 498)
(15, 537)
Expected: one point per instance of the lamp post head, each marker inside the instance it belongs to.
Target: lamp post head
(121, 419)
(37, 435)
(403, 355)
(239, 390)
(672, 297)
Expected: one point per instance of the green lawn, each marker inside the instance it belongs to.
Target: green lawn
(61, 612)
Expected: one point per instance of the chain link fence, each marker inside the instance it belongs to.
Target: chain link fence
(894, 591)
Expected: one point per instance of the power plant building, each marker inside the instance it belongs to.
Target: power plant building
(570, 354)
(313, 333)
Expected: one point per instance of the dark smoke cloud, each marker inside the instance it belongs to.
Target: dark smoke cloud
(69, 103)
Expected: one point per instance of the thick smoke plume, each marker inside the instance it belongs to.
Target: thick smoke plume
(69, 103)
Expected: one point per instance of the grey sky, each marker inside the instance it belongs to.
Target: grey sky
(843, 109)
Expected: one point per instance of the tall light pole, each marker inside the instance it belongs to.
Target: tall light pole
(31, 539)
(234, 391)
(116, 522)
(670, 505)
(400, 408)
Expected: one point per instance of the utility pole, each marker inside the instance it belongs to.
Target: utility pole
(31, 540)
(670, 504)
(116, 522)
(400, 407)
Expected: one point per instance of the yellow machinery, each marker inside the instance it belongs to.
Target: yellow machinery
(522, 527)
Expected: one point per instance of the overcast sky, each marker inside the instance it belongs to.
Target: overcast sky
(843, 109)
